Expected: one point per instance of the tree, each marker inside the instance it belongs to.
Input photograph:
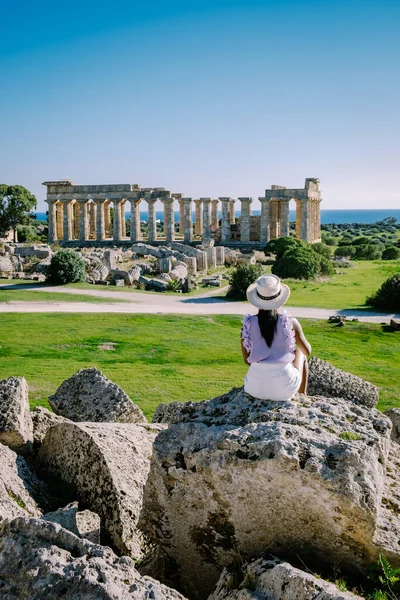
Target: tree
(279, 246)
(388, 295)
(15, 204)
(242, 277)
(391, 253)
(66, 266)
(300, 263)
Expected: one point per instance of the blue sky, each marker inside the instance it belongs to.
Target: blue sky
(219, 98)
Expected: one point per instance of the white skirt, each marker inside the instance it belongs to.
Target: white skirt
(278, 381)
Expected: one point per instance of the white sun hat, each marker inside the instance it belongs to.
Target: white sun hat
(268, 292)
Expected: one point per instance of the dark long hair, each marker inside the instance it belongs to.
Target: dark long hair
(267, 321)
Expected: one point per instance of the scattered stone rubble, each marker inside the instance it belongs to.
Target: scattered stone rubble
(206, 497)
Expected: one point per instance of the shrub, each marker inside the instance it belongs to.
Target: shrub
(242, 277)
(301, 263)
(66, 266)
(279, 246)
(348, 251)
(388, 295)
(322, 249)
(361, 241)
(391, 253)
(370, 252)
(329, 240)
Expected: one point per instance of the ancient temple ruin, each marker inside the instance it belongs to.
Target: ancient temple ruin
(82, 213)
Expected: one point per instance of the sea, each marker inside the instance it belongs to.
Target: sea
(327, 216)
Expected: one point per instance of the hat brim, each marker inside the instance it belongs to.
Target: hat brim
(255, 300)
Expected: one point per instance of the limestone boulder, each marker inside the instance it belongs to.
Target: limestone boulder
(90, 396)
(41, 560)
(327, 380)
(152, 284)
(134, 273)
(105, 467)
(16, 429)
(237, 476)
(21, 492)
(272, 579)
(42, 420)
(179, 271)
(120, 274)
(85, 524)
(6, 264)
(141, 249)
(394, 416)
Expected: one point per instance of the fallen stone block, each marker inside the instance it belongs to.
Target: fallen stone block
(16, 429)
(105, 466)
(394, 416)
(85, 524)
(42, 420)
(153, 285)
(40, 559)
(237, 476)
(272, 579)
(90, 396)
(326, 380)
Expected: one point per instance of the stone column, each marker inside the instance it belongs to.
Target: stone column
(100, 220)
(136, 234)
(264, 228)
(198, 224)
(117, 229)
(245, 219)
(107, 219)
(169, 219)
(206, 218)
(67, 220)
(83, 220)
(214, 215)
(232, 219)
(226, 226)
(318, 219)
(92, 208)
(284, 218)
(304, 220)
(220, 255)
(181, 217)
(77, 220)
(123, 219)
(52, 221)
(60, 221)
(188, 219)
(151, 220)
(274, 218)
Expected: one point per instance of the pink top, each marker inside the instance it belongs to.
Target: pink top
(282, 347)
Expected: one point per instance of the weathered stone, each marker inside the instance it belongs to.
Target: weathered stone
(41, 252)
(119, 282)
(6, 266)
(43, 265)
(236, 476)
(395, 324)
(214, 281)
(110, 259)
(41, 560)
(90, 396)
(387, 533)
(135, 273)
(105, 466)
(246, 259)
(18, 486)
(220, 255)
(16, 428)
(394, 416)
(153, 285)
(327, 380)
(191, 264)
(164, 265)
(179, 271)
(119, 274)
(146, 250)
(85, 524)
(271, 579)
(42, 420)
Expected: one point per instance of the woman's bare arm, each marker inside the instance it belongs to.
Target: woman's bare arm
(245, 354)
(301, 339)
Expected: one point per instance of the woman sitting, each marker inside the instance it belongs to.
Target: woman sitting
(277, 368)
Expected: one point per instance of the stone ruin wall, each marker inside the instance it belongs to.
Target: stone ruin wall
(83, 213)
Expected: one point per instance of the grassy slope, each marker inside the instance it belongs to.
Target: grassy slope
(38, 296)
(165, 358)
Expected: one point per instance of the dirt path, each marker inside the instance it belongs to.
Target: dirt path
(153, 303)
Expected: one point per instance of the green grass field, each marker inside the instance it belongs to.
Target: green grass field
(161, 358)
(38, 296)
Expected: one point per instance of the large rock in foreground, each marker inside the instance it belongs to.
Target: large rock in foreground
(40, 560)
(90, 396)
(326, 380)
(271, 579)
(394, 416)
(42, 420)
(18, 486)
(105, 466)
(237, 476)
(15, 421)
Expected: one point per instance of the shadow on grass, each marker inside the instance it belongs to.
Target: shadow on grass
(24, 286)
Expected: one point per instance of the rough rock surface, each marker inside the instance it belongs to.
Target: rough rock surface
(18, 486)
(16, 428)
(105, 466)
(327, 380)
(271, 579)
(90, 396)
(238, 476)
(153, 285)
(40, 560)
(42, 420)
(85, 524)
(394, 416)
